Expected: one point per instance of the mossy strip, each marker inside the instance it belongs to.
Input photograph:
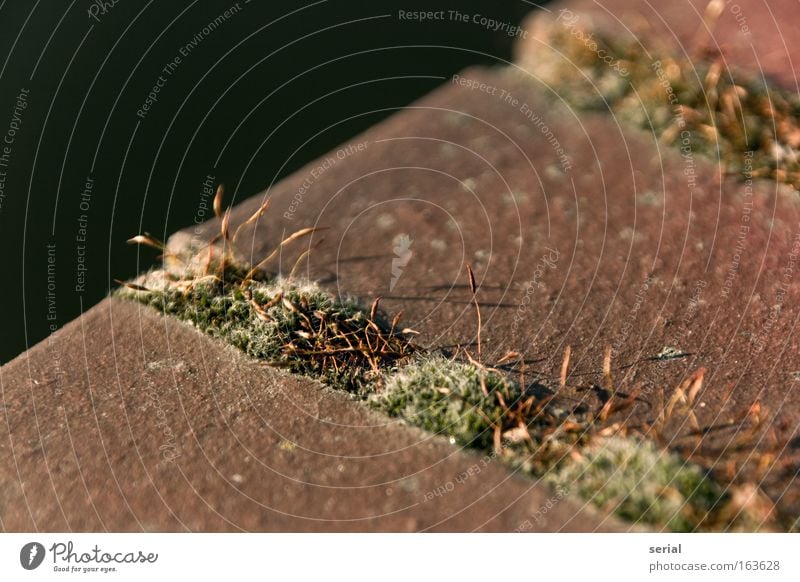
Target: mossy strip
(301, 327)
(622, 474)
(298, 327)
(697, 103)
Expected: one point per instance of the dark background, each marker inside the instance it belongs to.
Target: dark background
(298, 86)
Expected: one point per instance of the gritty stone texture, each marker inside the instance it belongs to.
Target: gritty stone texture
(581, 231)
(126, 420)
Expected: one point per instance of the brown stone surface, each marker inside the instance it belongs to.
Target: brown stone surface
(126, 420)
(619, 249)
(758, 35)
(628, 245)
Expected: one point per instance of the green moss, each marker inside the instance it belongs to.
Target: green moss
(308, 331)
(446, 397)
(298, 327)
(626, 476)
(640, 483)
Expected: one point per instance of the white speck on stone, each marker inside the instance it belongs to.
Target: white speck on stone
(522, 130)
(449, 151)
(650, 198)
(469, 184)
(438, 244)
(237, 478)
(626, 233)
(553, 171)
(516, 196)
(386, 221)
(456, 119)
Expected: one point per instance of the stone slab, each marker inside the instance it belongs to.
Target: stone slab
(126, 420)
(582, 231)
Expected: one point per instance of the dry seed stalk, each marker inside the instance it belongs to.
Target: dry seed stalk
(356, 344)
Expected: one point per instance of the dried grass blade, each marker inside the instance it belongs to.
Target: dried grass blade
(218, 200)
(147, 240)
(255, 217)
(289, 239)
